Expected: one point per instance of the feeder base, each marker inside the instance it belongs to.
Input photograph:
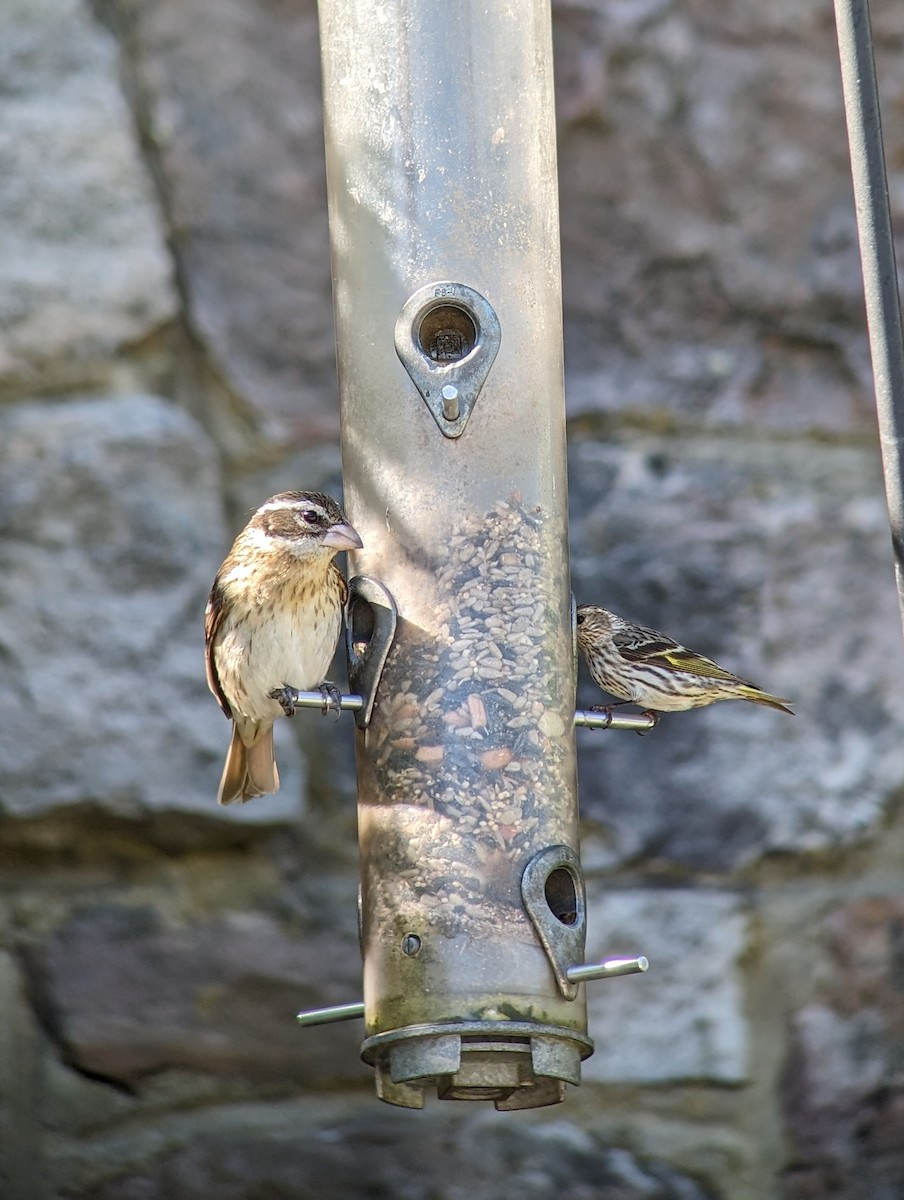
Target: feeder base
(514, 1064)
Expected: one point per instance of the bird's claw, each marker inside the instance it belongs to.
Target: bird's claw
(607, 709)
(332, 697)
(603, 708)
(286, 697)
(654, 717)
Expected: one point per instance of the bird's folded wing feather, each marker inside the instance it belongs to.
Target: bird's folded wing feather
(213, 619)
(648, 646)
(695, 664)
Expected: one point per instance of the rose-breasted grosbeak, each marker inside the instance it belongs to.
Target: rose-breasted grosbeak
(272, 623)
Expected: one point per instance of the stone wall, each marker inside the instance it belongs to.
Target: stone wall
(167, 361)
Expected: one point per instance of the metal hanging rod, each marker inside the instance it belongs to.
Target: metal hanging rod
(877, 254)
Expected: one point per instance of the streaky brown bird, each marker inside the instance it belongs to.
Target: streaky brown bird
(646, 667)
(272, 625)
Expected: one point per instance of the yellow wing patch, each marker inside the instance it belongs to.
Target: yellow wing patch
(693, 664)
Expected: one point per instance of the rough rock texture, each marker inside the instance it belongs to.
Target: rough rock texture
(128, 995)
(724, 487)
(683, 1019)
(777, 564)
(110, 529)
(230, 92)
(246, 1153)
(844, 1084)
(83, 263)
(703, 282)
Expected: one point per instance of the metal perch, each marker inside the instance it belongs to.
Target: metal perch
(610, 969)
(589, 719)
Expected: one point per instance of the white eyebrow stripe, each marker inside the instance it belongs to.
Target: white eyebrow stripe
(276, 505)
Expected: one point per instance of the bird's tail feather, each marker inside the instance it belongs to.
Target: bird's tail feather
(250, 771)
(757, 696)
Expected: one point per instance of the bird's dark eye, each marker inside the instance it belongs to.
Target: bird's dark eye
(580, 618)
(311, 516)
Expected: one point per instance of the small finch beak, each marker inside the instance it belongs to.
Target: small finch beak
(341, 536)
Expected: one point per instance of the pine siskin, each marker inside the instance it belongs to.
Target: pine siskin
(647, 668)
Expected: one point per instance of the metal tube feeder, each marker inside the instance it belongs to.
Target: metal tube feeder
(441, 172)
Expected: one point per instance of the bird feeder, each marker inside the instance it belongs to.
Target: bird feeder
(441, 168)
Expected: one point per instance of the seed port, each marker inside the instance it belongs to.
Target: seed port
(370, 624)
(561, 895)
(447, 334)
(447, 337)
(552, 888)
(361, 625)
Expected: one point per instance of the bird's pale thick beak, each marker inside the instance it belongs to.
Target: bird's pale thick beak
(341, 536)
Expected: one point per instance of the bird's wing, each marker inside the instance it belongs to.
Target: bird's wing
(683, 659)
(646, 645)
(213, 619)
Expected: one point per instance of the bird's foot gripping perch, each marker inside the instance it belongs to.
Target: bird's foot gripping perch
(605, 709)
(286, 697)
(289, 698)
(332, 697)
(654, 717)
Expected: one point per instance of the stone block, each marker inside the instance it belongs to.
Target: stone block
(127, 997)
(350, 1154)
(232, 97)
(710, 256)
(84, 269)
(843, 1082)
(683, 1020)
(111, 530)
(775, 560)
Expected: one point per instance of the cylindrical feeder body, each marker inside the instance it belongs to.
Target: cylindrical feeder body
(441, 167)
